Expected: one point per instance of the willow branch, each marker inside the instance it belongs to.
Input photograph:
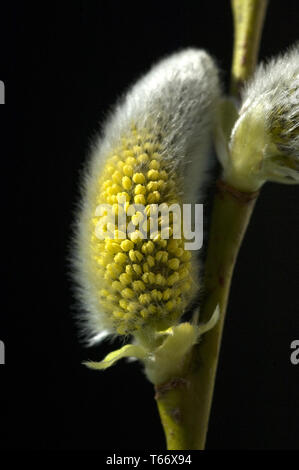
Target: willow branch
(184, 402)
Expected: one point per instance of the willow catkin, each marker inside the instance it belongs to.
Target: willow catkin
(154, 152)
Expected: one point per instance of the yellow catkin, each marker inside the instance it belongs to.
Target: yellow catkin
(142, 282)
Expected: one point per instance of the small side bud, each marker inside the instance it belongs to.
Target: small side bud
(264, 142)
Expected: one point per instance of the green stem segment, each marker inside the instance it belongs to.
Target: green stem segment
(249, 18)
(184, 403)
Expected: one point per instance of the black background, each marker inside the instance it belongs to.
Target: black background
(63, 65)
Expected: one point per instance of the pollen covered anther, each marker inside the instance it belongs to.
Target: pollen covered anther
(144, 275)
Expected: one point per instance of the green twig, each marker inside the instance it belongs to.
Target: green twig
(184, 403)
(248, 17)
